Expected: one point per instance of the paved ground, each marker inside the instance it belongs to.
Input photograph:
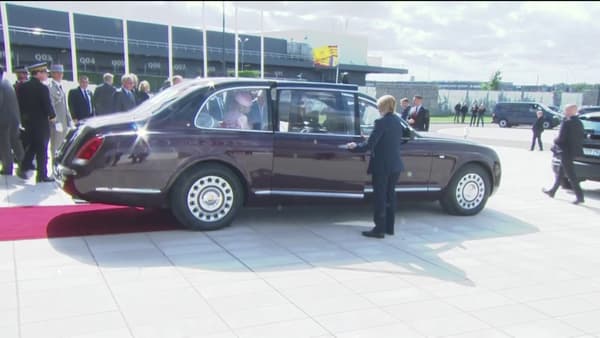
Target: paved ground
(527, 266)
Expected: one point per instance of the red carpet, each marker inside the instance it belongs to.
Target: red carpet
(80, 220)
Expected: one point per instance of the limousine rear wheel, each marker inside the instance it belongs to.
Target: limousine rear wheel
(207, 198)
(468, 191)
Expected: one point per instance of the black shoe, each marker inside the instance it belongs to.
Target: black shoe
(373, 234)
(577, 201)
(22, 174)
(44, 179)
(389, 232)
(548, 192)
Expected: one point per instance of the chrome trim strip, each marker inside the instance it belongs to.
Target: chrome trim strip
(307, 194)
(239, 130)
(315, 134)
(369, 190)
(129, 190)
(317, 88)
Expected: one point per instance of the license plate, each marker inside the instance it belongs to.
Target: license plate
(591, 152)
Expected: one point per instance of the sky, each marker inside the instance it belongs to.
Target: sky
(529, 42)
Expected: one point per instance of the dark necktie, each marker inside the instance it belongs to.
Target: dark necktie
(87, 100)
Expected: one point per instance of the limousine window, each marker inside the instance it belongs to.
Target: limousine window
(368, 114)
(236, 108)
(311, 111)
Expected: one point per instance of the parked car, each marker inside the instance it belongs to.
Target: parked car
(201, 149)
(588, 109)
(555, 108)
(508, 114)
(587, 167)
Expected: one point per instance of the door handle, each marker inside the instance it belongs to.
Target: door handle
(442, 156)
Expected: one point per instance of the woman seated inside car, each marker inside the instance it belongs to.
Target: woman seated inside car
(236, 109)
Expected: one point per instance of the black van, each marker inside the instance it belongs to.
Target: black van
(508, 114)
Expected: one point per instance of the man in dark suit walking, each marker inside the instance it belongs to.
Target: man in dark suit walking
(457, 112)
(36, 115)
(538, 129)
(419, 116)
(385, 165)
(474, 110)
(570, 142)
(124, 98)
(80, 101)
(463, 112)
(103, 96)
(10, 119)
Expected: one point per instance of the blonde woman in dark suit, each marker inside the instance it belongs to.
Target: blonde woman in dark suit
(385, 165)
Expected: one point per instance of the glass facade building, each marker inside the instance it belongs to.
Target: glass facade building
(41, 35)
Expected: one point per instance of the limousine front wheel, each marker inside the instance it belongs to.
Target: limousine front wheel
(207, 198)
(468, 191)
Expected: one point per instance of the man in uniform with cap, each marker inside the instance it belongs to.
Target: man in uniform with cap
(36, 115)
(22, 77)
(58, 128)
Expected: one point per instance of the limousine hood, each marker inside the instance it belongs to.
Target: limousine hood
(437, 138)
(461, 143)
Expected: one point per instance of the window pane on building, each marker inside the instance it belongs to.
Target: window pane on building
(148, 52)
(99, 44)
(39, 35)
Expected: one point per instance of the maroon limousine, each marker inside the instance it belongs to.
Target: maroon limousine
(205, 148)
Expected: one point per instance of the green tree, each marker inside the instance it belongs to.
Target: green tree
(494, 83)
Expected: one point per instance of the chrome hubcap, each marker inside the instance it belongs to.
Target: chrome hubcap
(470, 191)
(210, 198)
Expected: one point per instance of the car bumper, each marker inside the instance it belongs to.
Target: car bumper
(583, 170)
(64, 179)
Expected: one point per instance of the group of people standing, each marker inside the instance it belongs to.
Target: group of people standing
(416, 115)
(477, 113)
(36, 112)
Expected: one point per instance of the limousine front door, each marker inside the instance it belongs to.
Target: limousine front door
(317, 165)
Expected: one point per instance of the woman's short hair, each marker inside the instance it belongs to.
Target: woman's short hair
(387, 104)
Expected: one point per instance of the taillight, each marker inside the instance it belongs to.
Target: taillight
(89, 149)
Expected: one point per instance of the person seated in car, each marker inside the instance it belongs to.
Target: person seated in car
(298, 118)
(337, 123)
(259, 112)
(237, 108)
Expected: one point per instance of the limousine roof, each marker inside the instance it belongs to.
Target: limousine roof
(279, 83)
